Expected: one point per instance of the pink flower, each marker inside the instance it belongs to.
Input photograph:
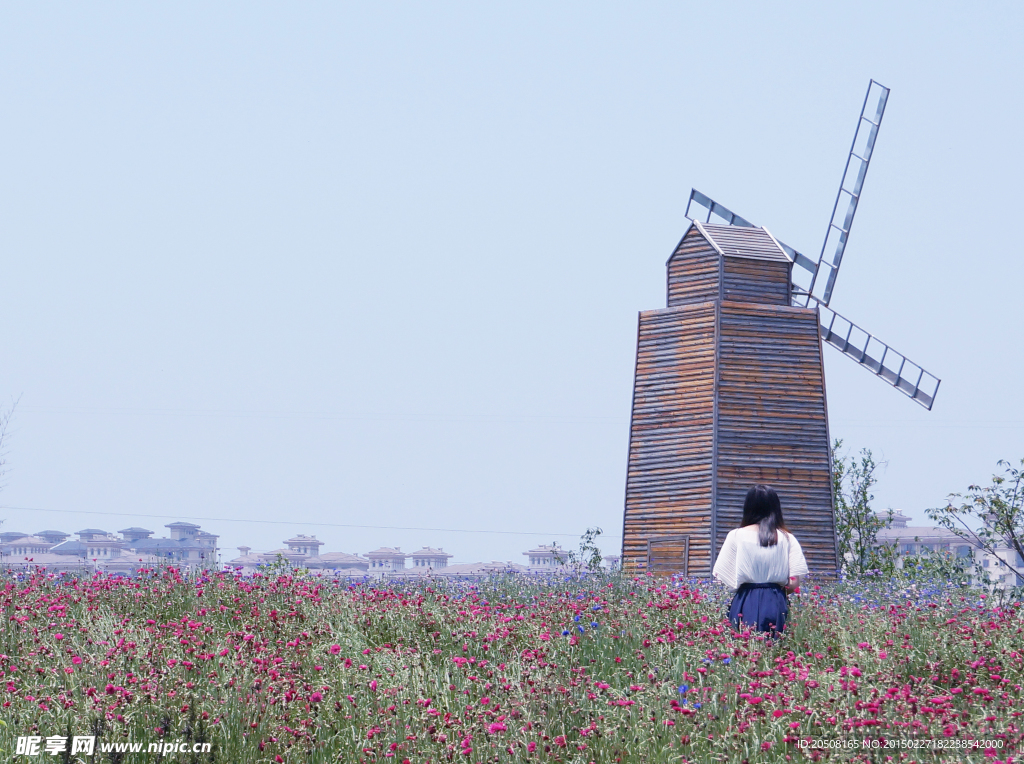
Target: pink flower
(76, 660)
(316, 697)
(335, 649)
(531, 747)
(496, 727)
(58, 636)
(373, 685)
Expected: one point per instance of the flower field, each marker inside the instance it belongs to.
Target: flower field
(295, 668)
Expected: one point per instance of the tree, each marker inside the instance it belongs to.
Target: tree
(589, 555)
(991, 517)
(857, 525)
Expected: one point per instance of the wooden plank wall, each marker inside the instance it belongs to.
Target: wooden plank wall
(772, 423)
(745, 279)
(668, 483)
(693, 271)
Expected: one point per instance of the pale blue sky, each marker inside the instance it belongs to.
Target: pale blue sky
(381, 263)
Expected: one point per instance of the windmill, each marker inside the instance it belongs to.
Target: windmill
(729, 388)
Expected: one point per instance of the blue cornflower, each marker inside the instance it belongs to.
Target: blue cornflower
(576, 618)
(565, 632)
(581, 629)
(696, 705)
(726, 661)
(683, 689)
(596, 608)
(593, 624)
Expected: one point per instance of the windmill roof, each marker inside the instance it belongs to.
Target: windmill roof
(740, 241)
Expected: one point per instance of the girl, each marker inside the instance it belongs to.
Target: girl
(762, 562)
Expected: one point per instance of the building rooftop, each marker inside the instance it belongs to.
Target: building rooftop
(909, 533)
(545, 549)
(740, 241)
(386, 551)
(431, 552)
(339, 557)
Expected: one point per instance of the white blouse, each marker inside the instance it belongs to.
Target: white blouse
(743, 560)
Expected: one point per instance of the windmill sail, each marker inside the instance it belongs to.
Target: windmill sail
(849, 192)
(876, 356)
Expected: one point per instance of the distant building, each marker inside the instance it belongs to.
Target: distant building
(22, 544)
(305, 545)
(341, 562)
(53, 537)
(545, 558)
(386, 559)
(188, 546)
(427, 557)
(301, 552)
(911, 540)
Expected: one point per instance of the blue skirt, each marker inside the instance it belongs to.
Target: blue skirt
(759, 606)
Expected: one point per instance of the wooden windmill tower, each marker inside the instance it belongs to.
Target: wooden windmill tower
(729, 388)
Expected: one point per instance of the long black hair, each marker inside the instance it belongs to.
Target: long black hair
(763, 508)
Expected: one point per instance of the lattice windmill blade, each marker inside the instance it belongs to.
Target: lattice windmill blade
(849, 193)
(728, 217)
(878, 357)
